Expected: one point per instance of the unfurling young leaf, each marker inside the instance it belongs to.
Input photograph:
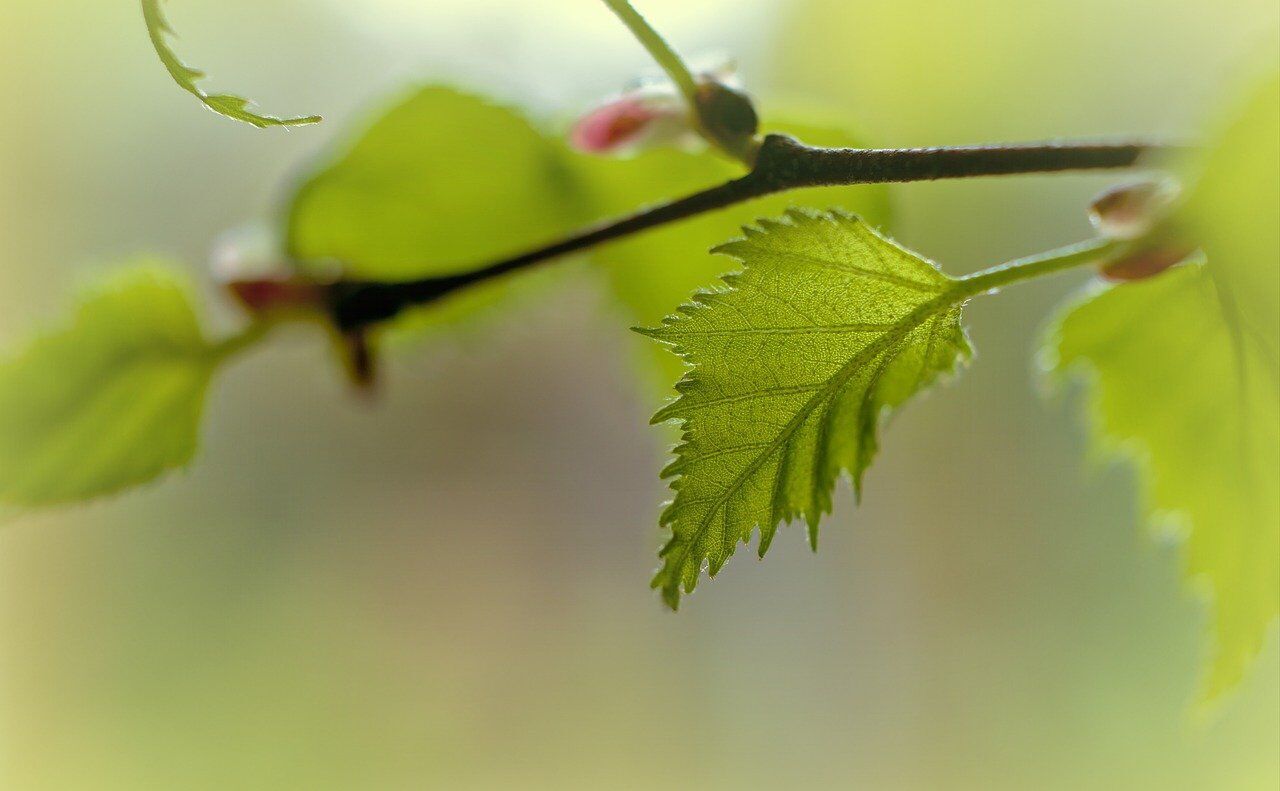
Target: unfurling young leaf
(828, 326)
(187, 77)
(111, 401)
(1185, 382)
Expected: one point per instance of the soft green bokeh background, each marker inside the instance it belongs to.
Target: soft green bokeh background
(446, 588)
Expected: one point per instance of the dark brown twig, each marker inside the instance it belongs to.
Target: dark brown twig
(782, 164)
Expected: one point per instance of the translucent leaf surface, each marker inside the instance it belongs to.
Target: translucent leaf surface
(1233, 207)
(1186, 382)
(111, 400)
(795, 362)
(187, 77)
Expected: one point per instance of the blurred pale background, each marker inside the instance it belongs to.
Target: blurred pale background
(447, 588)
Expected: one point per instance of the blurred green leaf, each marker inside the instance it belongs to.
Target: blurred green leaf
(234, 107)
(828, 326)
(1233, 207)
(111, 401)
(441, 183)
(1186, 383)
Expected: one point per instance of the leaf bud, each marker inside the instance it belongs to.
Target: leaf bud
(248, 264)
(1144, 263)
(649, 116)
(727, 114)
(1133, 210)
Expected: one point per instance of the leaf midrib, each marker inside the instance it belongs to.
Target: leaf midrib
(954, 294)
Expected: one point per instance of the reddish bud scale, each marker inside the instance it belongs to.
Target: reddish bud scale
(1138, 212)
(1129, 211)
(269, 295)
(1145, 263)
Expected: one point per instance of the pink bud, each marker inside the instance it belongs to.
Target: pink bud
(648, 116)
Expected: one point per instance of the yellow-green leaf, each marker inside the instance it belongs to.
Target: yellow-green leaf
(795, 362)
(1234, 204)
(111, 400)
(1186, 383)
(441, 183)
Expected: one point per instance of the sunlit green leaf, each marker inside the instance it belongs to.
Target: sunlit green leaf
(1186, 382)
(111, 400)
(827, 327)
(187, 77)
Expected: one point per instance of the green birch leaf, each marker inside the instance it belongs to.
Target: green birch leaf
(795, 362)
(1185, 382)
(1165, 373)
(187, 77)
(110, 401)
